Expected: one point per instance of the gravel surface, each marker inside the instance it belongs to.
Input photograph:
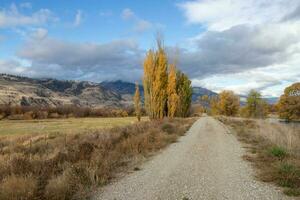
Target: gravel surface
(204, 164)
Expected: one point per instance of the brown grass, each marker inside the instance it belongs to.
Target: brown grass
(71, 166)
(273, 149)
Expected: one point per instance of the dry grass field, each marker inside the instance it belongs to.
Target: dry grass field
(70, 166)
(70, 125)
(273, 148)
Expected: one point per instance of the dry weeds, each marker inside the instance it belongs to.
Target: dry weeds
(274, 149)
(70, 166)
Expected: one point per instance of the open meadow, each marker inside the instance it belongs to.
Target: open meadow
(66, 126)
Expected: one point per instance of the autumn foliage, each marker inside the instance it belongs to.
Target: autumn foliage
(289, 103)
(167, 91)
(227, 103)
(173, 97)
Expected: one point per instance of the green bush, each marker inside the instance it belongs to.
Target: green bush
(278, 152)
(168, 128)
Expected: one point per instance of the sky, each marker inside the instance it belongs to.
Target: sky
(234, 45)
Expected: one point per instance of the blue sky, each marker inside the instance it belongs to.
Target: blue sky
(222, 44)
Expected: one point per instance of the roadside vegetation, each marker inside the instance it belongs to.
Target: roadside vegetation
(59, 166)
(274, 150)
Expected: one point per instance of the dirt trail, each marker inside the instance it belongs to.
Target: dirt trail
(204, 164)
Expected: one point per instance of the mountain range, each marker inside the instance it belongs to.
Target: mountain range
(17, 90)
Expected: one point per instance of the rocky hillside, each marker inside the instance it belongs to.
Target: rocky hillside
(17, 90)
(125, 89)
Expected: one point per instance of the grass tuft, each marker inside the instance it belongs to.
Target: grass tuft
(278, 152)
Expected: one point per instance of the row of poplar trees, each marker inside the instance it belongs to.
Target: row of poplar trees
(167, 91)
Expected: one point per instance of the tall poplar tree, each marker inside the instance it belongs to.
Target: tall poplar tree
(160, 83)
(148, 81)
(185, 91)
(137, 102)
(173, 97)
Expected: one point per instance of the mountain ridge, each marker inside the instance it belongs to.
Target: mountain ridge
(19, 90)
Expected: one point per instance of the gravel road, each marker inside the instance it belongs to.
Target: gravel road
(204, 164)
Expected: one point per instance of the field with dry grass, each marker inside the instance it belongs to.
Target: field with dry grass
(70, 166)
(273, 148)
(69, 125)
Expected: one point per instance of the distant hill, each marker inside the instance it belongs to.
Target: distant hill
(16, 90)
(199, 91)
(125, 89)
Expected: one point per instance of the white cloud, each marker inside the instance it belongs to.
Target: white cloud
(127, 14)
(223, 14)
(106, 13)
(247, 44)
(40, 33)
(78, 18)
(26, 5)
(11, 67)
(140, 25)
(13, 18)
(71, 60)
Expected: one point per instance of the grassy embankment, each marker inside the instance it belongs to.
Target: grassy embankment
(274, 150)
(71, 166)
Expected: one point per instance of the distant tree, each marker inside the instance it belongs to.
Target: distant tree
(214, 105)
(289, 103)
(205, 102)
(173, 97)
(185, 91)
(228, 103)
(256, 107)
(137, 102)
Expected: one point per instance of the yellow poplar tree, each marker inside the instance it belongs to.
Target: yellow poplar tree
(172, 93)
(148, 81)
(137, 102)
(160, 83)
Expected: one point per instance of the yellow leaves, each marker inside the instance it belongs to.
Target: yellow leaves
(165, 95)
(289, 103)
(173, 97)
(227, 104)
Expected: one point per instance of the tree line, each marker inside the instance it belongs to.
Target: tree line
(167, 90)
(228, 103)
(64, 111)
